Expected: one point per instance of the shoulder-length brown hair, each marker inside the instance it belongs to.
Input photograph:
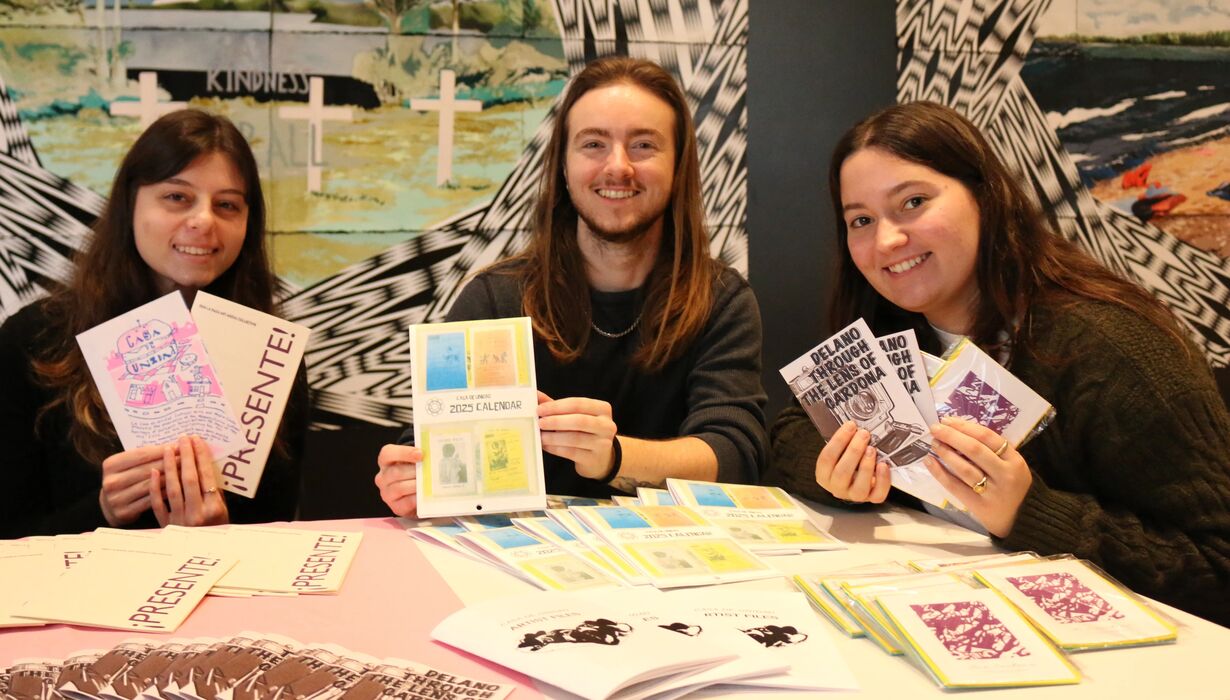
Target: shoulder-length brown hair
(679, 291)
(1022, 262)
(110, 277)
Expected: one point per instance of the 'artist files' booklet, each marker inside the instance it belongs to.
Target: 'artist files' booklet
(544, 564)
(673, 545)
(776, 625)
(973, 386)
(764, 519)
(587, 643)
(848, 377)
(476, 417)
(150, 590)
(257, 357)
(1076, 606)
(157, 380)
(974, 639)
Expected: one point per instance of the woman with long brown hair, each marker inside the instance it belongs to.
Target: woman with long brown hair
(185, 212)
(936, 234)
(647, 349)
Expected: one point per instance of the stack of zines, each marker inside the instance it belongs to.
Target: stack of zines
(715, 535)
(249, 666)
(987, 621)
(165, 573)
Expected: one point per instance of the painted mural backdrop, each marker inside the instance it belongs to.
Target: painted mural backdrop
(1118, 113)
(399, 141)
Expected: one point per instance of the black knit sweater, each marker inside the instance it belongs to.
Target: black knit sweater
(1134, 472)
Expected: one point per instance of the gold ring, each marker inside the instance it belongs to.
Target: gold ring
(1002, 449)
(981, 485)
(211, 489)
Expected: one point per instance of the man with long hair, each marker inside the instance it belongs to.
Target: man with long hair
(647, 349)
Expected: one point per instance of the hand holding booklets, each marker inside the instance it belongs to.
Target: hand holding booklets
(163, 372)
(886, 387)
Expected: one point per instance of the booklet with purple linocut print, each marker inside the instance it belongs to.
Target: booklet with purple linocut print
(973, 386)
(848, 377)
(1077, 606)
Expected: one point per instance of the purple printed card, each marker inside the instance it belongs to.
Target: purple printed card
(156, 379)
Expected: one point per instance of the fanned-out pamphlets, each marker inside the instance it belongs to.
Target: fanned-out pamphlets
(539, 562)
(673, 545)
(1078, 607)
(973, 386)
(157, 380)
(600, 547)
(24, 571)
(764, 519)
(848, 377)
(649, 496)
(476, 417)
(248, 666)
(973, 638)
(587, 643)
(159, 590)
(549, 530)
(906, 358)
(257, 357)
(826, 601)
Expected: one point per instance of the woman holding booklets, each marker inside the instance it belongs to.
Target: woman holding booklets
(1133, 473)
(185, 213)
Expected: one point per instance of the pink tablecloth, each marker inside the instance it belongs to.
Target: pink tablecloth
(388, 606)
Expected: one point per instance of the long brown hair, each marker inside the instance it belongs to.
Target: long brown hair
(679, 291)
(110, 277)
(1022, 262)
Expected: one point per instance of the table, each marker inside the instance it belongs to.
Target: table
(398, 589)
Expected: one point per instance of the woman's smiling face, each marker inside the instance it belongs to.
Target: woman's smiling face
(913, 233)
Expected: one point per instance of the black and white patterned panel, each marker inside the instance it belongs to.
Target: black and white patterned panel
(968, 55)
(359, 355)
(44, 218)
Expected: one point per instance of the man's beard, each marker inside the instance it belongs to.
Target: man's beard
(630, 234)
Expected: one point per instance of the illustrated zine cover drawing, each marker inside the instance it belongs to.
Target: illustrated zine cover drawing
(257, 357)
(848, 377)
(974, 639)
(906, 358)
(587, 643)
(1077, 606)
(973, 386)
(157, 380)
(476, 417)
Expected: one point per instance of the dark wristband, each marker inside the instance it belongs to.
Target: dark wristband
(616, 460)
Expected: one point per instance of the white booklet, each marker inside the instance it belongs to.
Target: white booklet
(848, 377)
(156, 378)
(476, 417)
(973, 386)
(1076, 606)
(774, 626)
(150, 591)
(765, 519)
(673, 545)
(589, 644)
(257, 357)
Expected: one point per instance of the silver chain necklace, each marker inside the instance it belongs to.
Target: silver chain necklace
(620, 334)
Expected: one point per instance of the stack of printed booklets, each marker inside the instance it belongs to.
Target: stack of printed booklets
(641, 642)
(159, 576)
(987, 621)
(894, 391)
(711, 533)
(249, 666)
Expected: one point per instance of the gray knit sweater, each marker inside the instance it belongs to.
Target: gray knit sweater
(1134, 472)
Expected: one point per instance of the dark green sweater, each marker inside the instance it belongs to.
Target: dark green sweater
(1134, 472)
